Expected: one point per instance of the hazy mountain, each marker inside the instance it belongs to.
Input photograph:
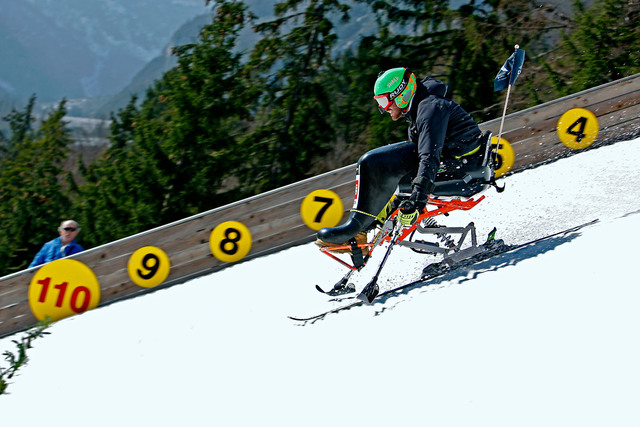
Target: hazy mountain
(153, 70)
(362, 22)
(83, 48)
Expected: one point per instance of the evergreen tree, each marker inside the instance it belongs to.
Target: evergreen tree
(293, 127)
(176, 154)
(120, 196)
(464, 47)
(20, 124)
(35, 188)
(602, 45)
(20, 358)
(207, 98)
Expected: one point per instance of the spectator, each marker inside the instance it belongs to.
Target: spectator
(59, 247)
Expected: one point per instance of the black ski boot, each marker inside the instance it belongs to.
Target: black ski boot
(341, 234)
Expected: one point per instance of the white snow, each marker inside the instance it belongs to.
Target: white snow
(544, 336)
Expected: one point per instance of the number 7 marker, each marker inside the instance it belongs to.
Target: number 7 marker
(321, 208)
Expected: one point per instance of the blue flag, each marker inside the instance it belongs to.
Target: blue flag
(509, 71)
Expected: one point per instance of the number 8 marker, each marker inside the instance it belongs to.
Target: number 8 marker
(230, 241)
(62, 288)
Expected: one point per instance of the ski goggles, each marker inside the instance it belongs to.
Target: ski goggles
(384, 102)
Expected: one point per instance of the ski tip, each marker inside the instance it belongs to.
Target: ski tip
(320, 289)
(364, 299)
(368, 297)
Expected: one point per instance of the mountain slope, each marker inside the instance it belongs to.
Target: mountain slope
(544, 336)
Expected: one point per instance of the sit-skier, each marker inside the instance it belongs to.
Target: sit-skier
(443, 140)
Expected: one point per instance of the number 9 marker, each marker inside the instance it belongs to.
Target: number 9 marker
(148, 266)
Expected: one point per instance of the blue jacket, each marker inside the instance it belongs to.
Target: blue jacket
(51, 251)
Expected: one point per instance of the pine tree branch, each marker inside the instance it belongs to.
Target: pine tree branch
(16, 362)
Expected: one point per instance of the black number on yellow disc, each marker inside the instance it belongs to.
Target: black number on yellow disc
(230, 241)
(321, 208)
(505, 156)
(578, 128)
(148, 266)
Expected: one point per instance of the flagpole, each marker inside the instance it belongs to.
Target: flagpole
(504, 113)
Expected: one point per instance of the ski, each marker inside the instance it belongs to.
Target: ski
(336, 291)
(341, 288)
(432, 271)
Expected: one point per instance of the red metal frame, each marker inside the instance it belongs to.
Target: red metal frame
(441, 207)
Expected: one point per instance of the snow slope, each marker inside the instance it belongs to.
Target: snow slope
(544, 336)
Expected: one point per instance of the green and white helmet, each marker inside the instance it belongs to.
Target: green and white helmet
(396, 84)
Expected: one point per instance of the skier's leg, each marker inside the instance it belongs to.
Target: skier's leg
(378, 173)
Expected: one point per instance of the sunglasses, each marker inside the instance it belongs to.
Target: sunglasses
(69, 229)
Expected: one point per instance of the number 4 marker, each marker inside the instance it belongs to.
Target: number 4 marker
(578, 128)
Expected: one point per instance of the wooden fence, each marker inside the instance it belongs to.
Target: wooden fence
(274, 218)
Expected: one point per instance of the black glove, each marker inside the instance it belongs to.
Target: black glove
(408, 212)
(418, 199)
(408, 207)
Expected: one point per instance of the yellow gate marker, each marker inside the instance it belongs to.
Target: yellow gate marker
(230, 241)
(578, 128)
(63, 288)
(505, 157)
(321, 208)
(148, 266)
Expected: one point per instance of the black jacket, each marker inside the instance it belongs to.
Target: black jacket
(440, 127)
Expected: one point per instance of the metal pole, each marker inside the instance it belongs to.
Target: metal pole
(504, 113)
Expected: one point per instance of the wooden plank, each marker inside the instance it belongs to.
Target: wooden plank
(119, 286)
(534, 149)
(15, 291)
(627, 127)
(15, 310)
(18, 323)
(549, 136)
(251, 207)
(553, 148)
(526, 139)
(258, 225)
(622, 116)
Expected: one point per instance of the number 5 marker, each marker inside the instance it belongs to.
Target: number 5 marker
(505, 156)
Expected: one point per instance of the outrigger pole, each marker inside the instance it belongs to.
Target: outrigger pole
(510, 70)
